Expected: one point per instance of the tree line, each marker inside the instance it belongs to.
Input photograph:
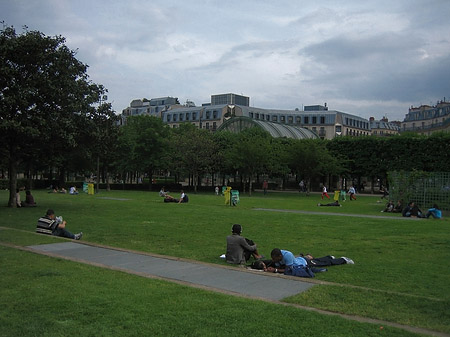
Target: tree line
(53, 120)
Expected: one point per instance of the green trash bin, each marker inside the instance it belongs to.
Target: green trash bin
(234, 200)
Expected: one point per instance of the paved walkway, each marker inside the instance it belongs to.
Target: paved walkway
(225, 279)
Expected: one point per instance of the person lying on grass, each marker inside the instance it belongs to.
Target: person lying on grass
(336, 203)
(284, 262)
(52, 225)
(240, 249)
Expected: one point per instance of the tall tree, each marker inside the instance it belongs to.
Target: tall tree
(145, 138)
(252, 153)
(195, 150)
(44, 90)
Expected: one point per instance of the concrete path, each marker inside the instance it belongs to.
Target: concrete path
(225, 279)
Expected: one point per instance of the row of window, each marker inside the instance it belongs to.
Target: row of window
(351, 132)
(424, 125)
(188, 116)
(289, 119)
(428, 114)
(206, 126)
(356, 123)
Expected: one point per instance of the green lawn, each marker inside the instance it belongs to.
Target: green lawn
(401, 272)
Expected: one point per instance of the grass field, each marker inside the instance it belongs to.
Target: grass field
(401, 272)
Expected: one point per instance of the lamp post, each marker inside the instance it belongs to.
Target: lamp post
(102, 99)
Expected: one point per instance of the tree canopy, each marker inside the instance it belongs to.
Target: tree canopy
(45, 98)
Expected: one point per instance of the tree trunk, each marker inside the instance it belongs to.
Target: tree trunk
(12, 182)
(62, 176)
(98, 174)
(108, 187)
(150, 179)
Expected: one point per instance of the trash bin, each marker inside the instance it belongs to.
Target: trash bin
(91, 189)
(234, 197)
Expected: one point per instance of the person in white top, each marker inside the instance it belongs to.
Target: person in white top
(324, 192)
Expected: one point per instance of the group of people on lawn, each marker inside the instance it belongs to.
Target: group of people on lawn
(168, 198)
(412, 210)
(241, 249)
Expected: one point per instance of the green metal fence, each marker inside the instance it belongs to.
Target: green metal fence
(424, 188)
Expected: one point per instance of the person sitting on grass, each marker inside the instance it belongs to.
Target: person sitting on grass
(435, 212)
(183, 197)
(398, 207)
(29, 200)
(412, 210)
(163, 193)
(73, 190)
(389, 207)
(18, 202)
(52, 225)
(336, 203)
(240, 249)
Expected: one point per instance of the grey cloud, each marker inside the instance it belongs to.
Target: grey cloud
(387, 67)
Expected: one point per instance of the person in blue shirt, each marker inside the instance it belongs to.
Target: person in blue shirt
(435, 212)
(284, 262)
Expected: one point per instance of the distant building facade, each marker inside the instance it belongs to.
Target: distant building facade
(325, 123)
(427, 119)
(383, 127)
(153, 107)
(230, 99)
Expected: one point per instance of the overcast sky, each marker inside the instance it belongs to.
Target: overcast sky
(367, 58)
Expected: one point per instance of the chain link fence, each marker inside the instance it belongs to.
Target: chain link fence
(424, 188)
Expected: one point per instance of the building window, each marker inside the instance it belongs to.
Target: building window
(215, 114)
(214, 126)
(322, 119)
(267, 117)
(338, 128)
(314, 120)
(208, 114)
(251, 114)
(262, 116)
(174, 118)
(322, 132)
(274, 118)
(168, 118)
(290, 120)
(257, 116)
(306, 120)
(282, 119)
(187, 116)
(207, 126)
(181, 117)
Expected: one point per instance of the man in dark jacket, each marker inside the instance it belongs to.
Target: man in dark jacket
(240, 249)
